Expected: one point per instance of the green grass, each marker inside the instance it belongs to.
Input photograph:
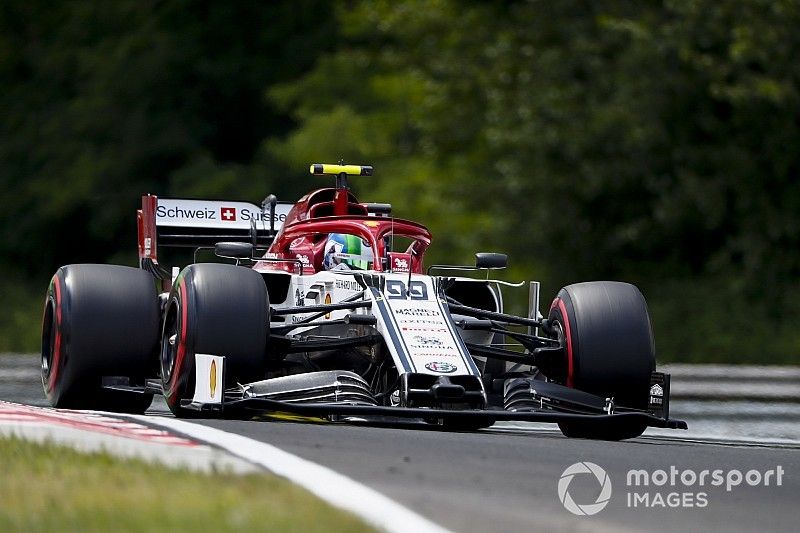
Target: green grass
(52, 488)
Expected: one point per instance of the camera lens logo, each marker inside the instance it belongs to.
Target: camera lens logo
(590, 508)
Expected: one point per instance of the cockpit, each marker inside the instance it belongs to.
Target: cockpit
(347, 252)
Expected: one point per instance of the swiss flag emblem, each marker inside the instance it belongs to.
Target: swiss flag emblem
(228, 214)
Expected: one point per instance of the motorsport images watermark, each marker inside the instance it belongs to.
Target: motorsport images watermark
(671, 488)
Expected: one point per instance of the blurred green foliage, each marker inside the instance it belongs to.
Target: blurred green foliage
(657, 142)
(104, 101)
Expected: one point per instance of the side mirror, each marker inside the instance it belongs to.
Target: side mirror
(236, 250)
(270, 201)
(490, 260)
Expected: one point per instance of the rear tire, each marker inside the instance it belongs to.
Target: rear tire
(609, 351)
(99, 320)
(219, 310)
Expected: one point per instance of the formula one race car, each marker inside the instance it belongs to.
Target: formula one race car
(324, 309)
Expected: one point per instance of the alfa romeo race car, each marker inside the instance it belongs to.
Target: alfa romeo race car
(325, 309)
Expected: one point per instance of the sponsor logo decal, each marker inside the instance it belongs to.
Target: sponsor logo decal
(348, 285)
(327, 301)
(656, 396)
(400, 262)
(213, 377)
(430, 341)
(584, 468)
(202, 213)
(212, 213)
(442, 368)
(227, 214)
(417, 312)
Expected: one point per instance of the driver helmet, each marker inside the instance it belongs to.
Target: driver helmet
(345, 252)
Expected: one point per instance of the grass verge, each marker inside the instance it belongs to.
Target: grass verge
(53, 488)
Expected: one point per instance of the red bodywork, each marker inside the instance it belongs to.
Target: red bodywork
(326, 211)
(305, 231)
(146, 226)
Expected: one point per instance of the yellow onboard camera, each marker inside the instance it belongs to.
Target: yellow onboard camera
(338, 170)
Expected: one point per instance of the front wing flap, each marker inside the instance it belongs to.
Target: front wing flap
(245, 406)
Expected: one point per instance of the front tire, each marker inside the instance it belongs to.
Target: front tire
(219, 310)
(609, 351)
(99, 320)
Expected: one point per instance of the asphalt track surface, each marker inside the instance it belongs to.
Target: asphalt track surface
(505, 479)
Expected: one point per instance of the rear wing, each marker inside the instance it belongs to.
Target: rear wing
(176, 222)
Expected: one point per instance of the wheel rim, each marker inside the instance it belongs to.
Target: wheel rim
(48, 341)
(562, 372)
(557, 369)
(169, 344)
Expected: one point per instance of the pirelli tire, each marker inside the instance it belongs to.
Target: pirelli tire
(609, 351)
(219, 310)
(99, 321)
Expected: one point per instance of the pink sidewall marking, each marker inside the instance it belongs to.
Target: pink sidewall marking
(173, 379)
(54, 364)
(558, 302)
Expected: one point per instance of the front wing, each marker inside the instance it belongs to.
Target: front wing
(211, 398)
(246, 406)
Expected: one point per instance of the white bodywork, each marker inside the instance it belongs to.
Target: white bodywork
(412, 318)
(208, 383)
